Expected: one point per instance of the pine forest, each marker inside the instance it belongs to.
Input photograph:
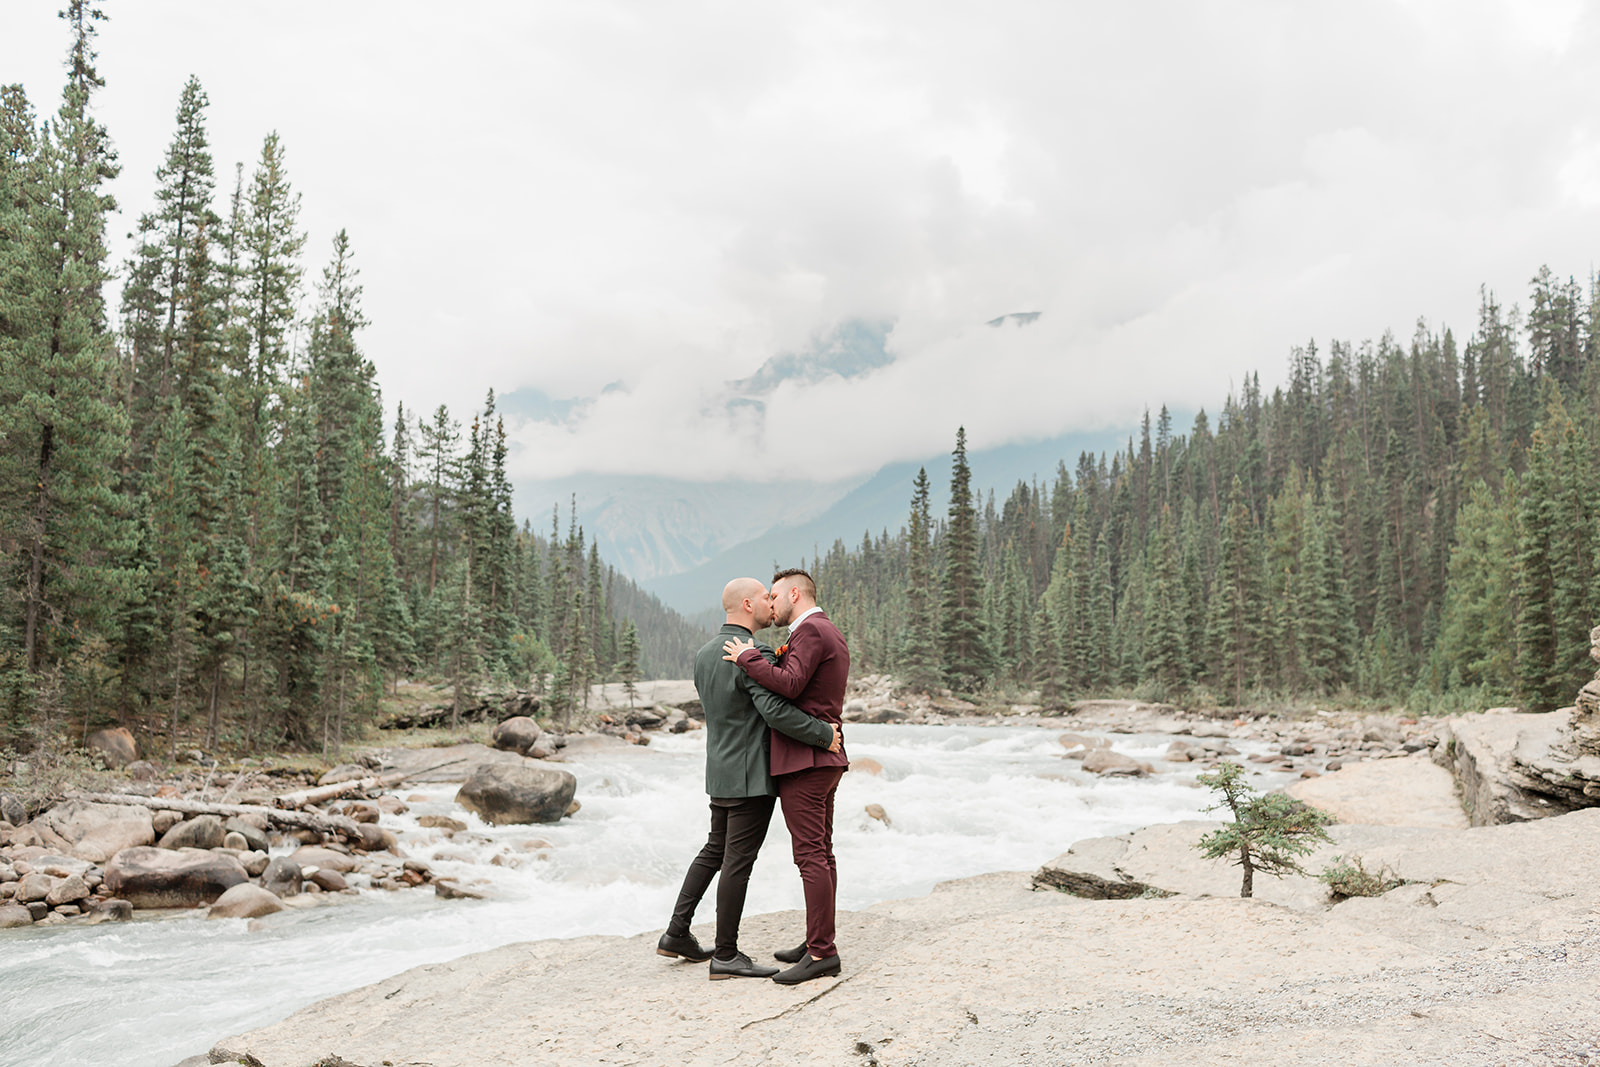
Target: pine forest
(210, 527)
(1400, 523)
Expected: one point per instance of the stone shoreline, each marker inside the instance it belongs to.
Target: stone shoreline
(1486, 952)
(1490, 955)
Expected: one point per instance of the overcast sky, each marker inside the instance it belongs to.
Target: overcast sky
(658, 197)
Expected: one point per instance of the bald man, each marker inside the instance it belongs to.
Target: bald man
(738, 716)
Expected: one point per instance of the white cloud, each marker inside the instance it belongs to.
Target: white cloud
(563, 196)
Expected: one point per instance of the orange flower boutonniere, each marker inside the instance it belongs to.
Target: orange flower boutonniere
(781, 650)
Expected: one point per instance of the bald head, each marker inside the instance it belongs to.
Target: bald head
(745, 602)
(741, 589)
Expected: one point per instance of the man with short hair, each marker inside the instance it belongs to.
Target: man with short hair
(738, 713)
(811, 670)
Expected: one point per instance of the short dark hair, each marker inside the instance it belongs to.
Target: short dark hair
(803, 580)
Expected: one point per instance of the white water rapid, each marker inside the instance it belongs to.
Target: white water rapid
(962, 801)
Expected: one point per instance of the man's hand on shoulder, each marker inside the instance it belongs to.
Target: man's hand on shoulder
(734, 647)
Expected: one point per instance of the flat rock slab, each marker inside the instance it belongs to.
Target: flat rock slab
(461, 760)
(985, 971)
(671, 691)
(1411, 791)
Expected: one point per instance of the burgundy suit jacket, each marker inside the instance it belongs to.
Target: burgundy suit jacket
(811, 675)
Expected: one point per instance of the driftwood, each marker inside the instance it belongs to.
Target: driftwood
(316, 795)
(326, 825)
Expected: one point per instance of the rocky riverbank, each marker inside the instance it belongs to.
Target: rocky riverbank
(1488, 952)
(243, 847)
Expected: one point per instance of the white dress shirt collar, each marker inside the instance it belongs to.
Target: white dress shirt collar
(802, 617)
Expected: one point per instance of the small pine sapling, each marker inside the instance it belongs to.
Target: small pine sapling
(1268, 831)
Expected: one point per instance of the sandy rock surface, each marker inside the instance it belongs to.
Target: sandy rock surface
(1491, 957)
(1411, 791)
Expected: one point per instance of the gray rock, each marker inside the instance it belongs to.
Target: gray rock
(141, 770)
(162, 821)
(115, 745)
(506, 794)
(38, 909)
(1093, 869)
(517, 734)
(34, 886)
(244, 901)
(234, 841)
(111, 911)
(313, 856)
(163, 878)
(281, 877)
(67, 891)
(11, 810)
(96, 832)
(329, 880)
(441, 822)
(202, 831)
(1513, 767)
(254, 863)
(14, 915)
(451, 891)
(1104, 761)
(374, 837)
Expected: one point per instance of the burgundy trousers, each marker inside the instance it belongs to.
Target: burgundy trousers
(807, 798)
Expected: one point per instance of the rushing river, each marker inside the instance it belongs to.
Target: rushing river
(962, 801)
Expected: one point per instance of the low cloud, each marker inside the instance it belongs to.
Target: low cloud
(624, 208)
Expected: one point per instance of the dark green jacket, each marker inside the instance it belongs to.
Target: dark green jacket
(738, 712)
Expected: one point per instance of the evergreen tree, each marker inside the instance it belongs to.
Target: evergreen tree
(1235, 600)
(919, 653)
(628, 664)
(963, 633)
(61, 427)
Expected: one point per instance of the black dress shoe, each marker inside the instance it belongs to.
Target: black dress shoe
(790, 955)
(741, 966)
(685, 946)
(807, 969)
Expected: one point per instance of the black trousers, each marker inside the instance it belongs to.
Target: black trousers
(738, 827)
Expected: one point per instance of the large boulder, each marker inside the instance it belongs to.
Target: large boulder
(14, 915)
(116, 745)
(69, 890)
(162, 878)
(35, 885)
(244, 901)
(202, 831)
(12, 810)
(1104, 761)
(518, 734)
(1515, 768)
(503, 794)
(254, 839)
(313, 856)
(282, 877)
(96, 832)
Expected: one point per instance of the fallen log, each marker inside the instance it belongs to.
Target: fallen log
(316, 795)
(327, 825)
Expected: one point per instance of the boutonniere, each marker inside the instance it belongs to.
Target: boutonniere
(781, 650)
